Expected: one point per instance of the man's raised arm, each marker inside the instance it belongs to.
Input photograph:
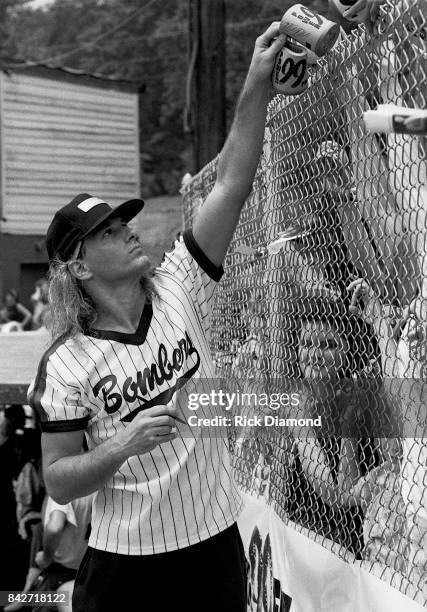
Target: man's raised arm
(238, 160)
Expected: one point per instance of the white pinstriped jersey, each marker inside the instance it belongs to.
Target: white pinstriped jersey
(182, 491)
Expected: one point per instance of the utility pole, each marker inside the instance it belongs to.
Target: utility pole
(207, 67)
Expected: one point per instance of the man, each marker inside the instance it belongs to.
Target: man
(163, 523)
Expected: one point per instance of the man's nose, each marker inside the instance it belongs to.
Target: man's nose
(129, 233)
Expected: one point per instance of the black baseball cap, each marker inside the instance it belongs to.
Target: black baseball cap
(73, 222)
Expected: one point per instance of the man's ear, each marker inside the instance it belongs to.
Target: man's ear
(79, 269)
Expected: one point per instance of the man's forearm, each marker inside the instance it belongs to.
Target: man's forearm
(238, 160)
(79, 475)
(218, 218)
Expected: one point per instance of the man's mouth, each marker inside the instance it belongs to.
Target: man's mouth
(135, 247)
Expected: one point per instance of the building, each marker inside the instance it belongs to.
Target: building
(62, 132)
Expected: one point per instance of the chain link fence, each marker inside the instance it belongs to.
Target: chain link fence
(332, 204)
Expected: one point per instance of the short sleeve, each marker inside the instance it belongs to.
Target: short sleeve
(66, 509)
(55, 396)
(199, 276)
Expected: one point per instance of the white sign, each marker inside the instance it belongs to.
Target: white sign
(290, 572)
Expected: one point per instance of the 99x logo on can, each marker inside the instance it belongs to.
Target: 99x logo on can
(289, 74)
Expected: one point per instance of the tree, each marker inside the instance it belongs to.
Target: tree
(143, 42)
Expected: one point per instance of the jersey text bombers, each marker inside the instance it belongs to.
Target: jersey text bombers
(181, 492)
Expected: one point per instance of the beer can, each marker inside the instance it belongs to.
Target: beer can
(289, 74)
(312, 58)
(310, 29)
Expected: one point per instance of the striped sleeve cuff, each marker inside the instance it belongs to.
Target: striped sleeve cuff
(64, 426)
(214, 272)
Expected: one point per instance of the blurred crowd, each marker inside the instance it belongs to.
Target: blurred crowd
(43, 542)
(14, 316)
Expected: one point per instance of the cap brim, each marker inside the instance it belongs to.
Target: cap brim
(127, 211)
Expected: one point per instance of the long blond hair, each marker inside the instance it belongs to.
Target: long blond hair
(72, 309)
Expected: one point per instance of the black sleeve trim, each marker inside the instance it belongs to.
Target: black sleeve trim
(213, 271)
(64, 426)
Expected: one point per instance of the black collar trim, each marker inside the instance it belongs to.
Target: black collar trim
(136, 338)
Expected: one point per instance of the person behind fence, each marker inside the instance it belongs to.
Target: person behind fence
(250, 361)
(165, 507)
(260, 484)
(412, 365)
(249, 371)
(369, 9)
(396, 518)
(333, 350)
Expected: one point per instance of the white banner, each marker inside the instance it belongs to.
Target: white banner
(290, 572)
(254, 527)
(375, 595)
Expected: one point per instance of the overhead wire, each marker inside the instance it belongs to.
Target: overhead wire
(148, 37)
(131, 40)
(125, 21)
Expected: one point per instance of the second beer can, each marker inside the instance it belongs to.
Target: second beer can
(310, 29)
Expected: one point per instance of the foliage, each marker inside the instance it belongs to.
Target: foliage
(144, 42)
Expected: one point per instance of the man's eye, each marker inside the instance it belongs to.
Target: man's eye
(107, 232)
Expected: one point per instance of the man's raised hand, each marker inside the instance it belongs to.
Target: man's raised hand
(267, 46)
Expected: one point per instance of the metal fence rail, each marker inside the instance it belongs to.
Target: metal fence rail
(346, 205)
